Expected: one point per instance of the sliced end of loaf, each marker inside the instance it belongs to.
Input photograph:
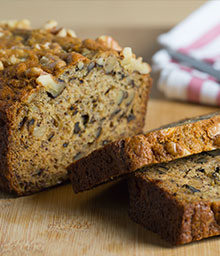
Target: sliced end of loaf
(91, 103)
(179, 200)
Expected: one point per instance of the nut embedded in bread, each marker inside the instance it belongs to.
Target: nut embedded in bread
(126, 155)
(60, 99)
(179, 200)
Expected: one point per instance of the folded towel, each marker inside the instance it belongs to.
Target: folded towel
(199, 37)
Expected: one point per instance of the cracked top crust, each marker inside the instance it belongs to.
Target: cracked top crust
(26, 54)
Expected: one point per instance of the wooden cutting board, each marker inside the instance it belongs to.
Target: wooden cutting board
(58, 222)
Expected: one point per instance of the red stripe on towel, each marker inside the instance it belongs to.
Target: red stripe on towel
(203, 40)
(218, 99)
(194, 88)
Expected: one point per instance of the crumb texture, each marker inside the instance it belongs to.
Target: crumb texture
(165, 144)
(60, 99)
(179, 200)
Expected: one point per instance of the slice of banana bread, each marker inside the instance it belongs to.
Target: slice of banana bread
(60, 99)
(167, 143)
(179, 200)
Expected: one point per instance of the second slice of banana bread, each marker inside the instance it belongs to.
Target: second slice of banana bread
(179, 200)
(167, 143)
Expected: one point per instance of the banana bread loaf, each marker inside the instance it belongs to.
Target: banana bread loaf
(179, 200)
(161, 145)
(61, 98)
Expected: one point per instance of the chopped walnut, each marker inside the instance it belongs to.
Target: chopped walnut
(37, 46)
(80, 65)
(119, 97)
(109, 42)
(13, 60)
(132, 64)
(51, 86)
(22, 24)
(46, 45)
(39, 131)
(71, 33)
(110, 64)
(30, 97)
(21, 68)
(60, 64)
(171, 148)
(34, 72)
(1, 65)
(100, 61)
(44, 60)
(52, 62)
(62, 32)
(130, 98)
(50, 24)
(214, 131)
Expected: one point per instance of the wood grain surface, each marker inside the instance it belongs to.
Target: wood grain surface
(58, 222)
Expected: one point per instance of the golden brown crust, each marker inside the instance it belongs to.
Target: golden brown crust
(23, 50)
(162, 145)
(25, 54)
(171, 143)
(109, 42)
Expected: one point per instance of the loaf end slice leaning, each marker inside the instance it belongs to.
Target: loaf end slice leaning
(60, 99)
(126, 155)
(179, 200)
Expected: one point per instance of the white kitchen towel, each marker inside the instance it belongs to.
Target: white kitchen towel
(197, 36)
